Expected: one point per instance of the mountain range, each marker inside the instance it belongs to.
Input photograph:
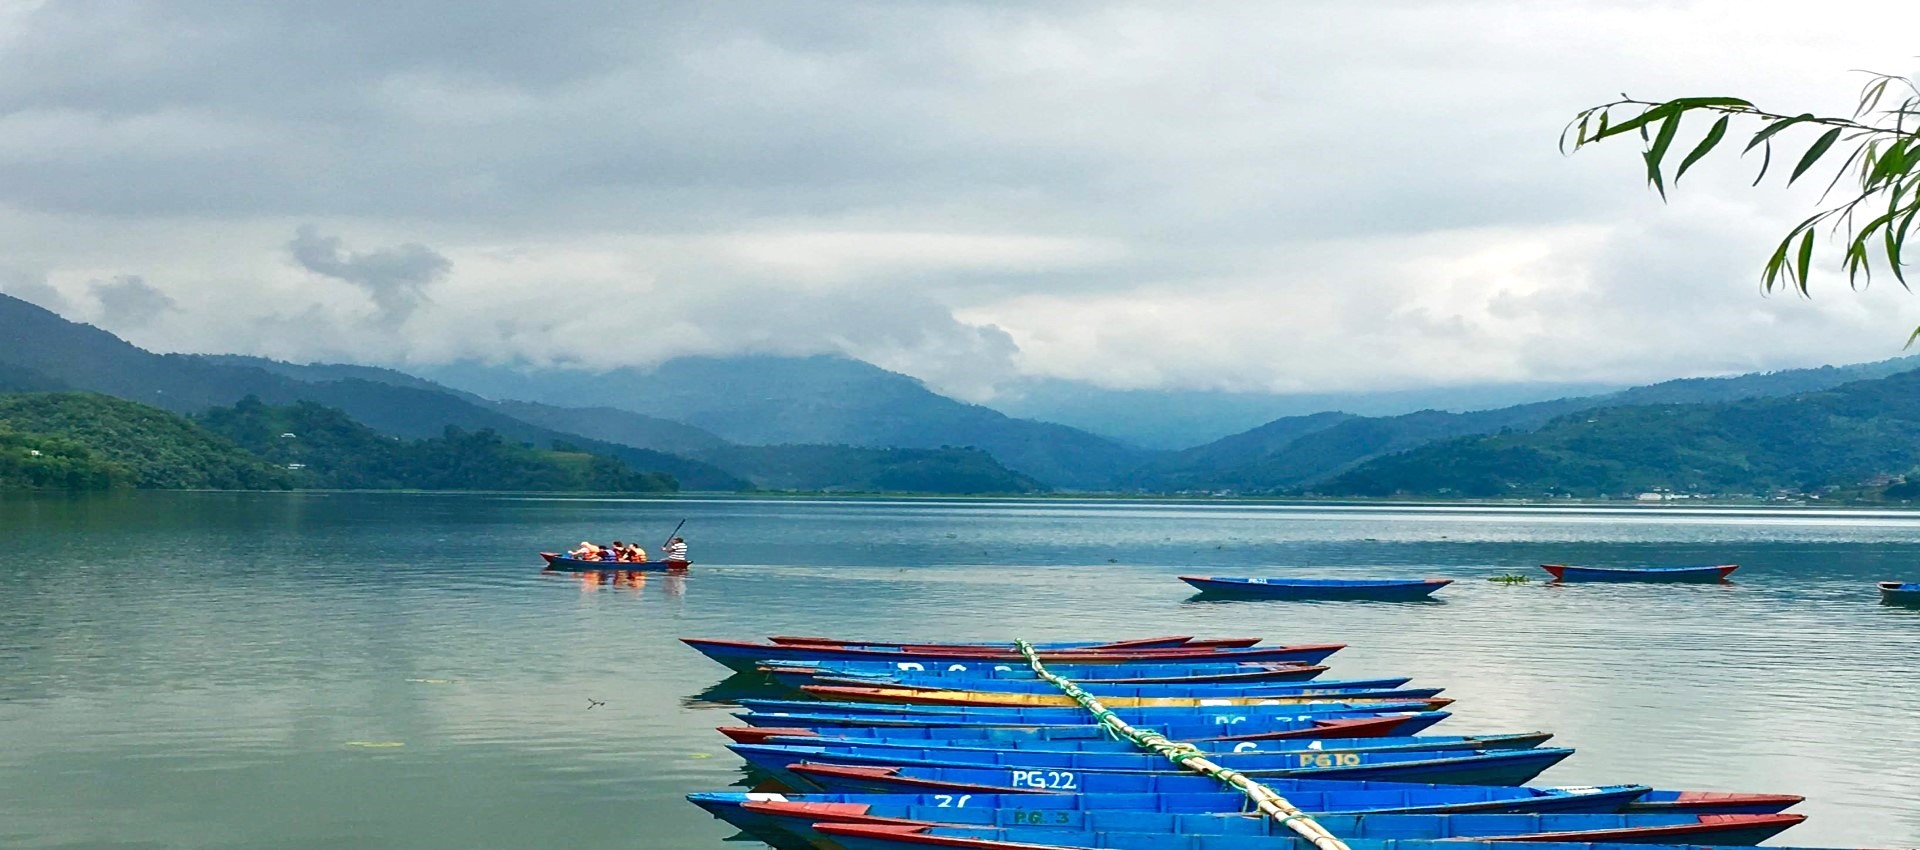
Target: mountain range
(834, 424)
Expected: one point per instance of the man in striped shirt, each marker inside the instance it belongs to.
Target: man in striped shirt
(676, 549)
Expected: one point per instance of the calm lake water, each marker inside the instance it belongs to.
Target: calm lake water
(208, 670)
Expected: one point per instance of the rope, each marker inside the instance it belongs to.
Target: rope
(1189, 757)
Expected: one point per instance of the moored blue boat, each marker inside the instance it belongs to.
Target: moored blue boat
(1670, 575)
(1900, 593)
(1065, 771)
(747, 656)
(1161, 642)
(1312, 796)
(1130, 674)
(1222, 715)
(1331, 589)
(1106, 689)
(565, 564)
(983, 692)
(788, 823)
(908, 836)
(1031, 742)
(763, 725)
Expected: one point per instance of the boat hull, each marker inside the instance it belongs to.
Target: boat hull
(1332, 590)
(963, 675)
(1093, 742)
(1333, 700)
(1068, 771)
(747, 656)
(563, 564)
(904, 836)
(1657, 575)
(789, 823)
(1900, 593)
(1254, 728)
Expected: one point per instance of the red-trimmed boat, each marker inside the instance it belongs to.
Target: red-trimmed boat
(1666, 575)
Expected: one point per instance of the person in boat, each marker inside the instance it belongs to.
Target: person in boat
(635, 554)
(677, 550)
(612, 553)
(586, 552)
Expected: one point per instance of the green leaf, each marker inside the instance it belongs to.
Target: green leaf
(1814, 153)
(1637, 122)
(1713, 138)
(1775, 128)
(1709, 102)
(1805, 260)
(1658, 150)
(1765, 160)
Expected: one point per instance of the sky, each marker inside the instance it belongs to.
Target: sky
(1261, 197)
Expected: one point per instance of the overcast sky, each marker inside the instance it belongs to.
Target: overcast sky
(1281, 196)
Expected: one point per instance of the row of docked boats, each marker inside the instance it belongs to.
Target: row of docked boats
(876, 745)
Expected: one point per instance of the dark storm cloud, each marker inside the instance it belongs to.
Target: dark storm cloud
(395, 278)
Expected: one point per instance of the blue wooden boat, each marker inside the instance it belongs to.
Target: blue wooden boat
(763, 725)
(909, 836)
(1331, 689)
(1332, 589)
(1031, 742)
(850, 779)
(789, 823)
(1900, 593)
(1162, 642)
(1063, 771)
(747, 657)
(1119, 674)
(1339, 701)
(955, 715)
(1315, 796)
(801, 678)
(1670, 575)
(564, 564)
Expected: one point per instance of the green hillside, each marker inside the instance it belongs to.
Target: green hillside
(93, 441)
(1850, 436)
(326, 448)
(1302, 452)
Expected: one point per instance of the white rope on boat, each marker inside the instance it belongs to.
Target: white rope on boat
(1188, 756)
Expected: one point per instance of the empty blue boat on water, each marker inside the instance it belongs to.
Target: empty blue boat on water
(763, 725)
(1670, 575)
(787, 823)
(954, 715)
(1347, 589)
(1065, 771)
(737, 807)
(910, 836)
(1032, 742)
(1389, 688)
(1900, 593)
(847, 779)
(1119, 674)
(747, 656)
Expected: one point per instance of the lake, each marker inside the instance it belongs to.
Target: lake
(214, 670)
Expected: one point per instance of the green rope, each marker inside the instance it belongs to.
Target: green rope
(1189, 757)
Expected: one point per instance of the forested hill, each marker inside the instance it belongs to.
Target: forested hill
(86, 441)
(1301, 452)
(326, 448)
(1855, 436)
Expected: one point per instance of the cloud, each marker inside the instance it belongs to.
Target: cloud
(1256, 196)
(33, 289)
(128, 301)
(395, 278)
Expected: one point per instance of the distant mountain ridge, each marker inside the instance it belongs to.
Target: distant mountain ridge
(42, 351)
(768, 401)
(1860, 434)
(1299, 451)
